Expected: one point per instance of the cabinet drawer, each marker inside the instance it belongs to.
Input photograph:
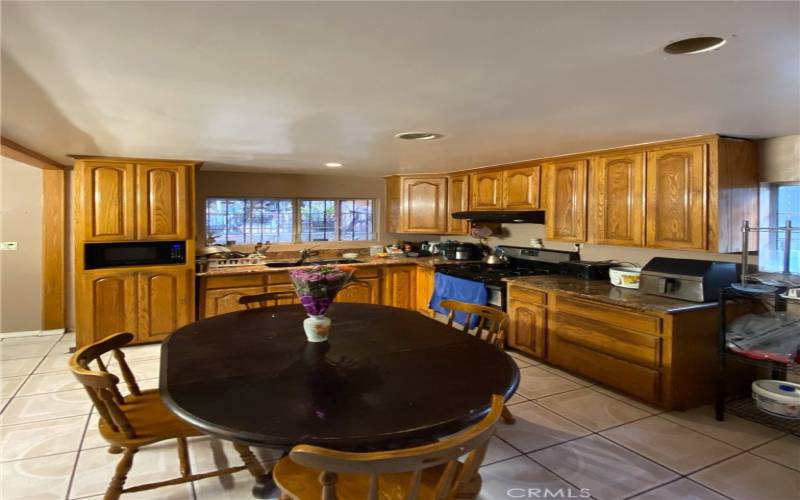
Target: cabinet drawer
(527, 295)
(616, 316)
(628, 377)
(281, 287)
(236, 281)
(637, 348)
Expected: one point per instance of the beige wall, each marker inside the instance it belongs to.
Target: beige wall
(779, 159)
(20, 271)
(521, 234)
(240, 184)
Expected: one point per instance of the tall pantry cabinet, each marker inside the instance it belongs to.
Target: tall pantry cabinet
(133, 200)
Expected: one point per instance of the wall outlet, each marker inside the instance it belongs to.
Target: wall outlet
(8, 245)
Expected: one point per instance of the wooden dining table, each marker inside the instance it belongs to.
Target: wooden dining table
(385, 378)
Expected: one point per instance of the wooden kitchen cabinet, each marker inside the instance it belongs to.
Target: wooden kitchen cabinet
(676, 198)
(424, 205)
(165, 302)
(105, 305)
(487, 190)
(616, 199)
(394, 199)
(366, 291)
(399, 286)
(527, 327)
(105, 194)
(457, 201)
(162, 201)
(566, 200)
(521, 188)
(226, 300)
(424, 288)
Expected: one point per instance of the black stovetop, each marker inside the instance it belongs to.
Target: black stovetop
(493, 275)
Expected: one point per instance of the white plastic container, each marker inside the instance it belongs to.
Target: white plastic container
(777, 397)
(626, 277)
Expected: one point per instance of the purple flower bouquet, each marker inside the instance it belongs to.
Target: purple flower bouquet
(317, 287)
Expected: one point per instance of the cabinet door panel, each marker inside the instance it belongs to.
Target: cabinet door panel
(424, 205)
(527, 327)
(616, 200)
(487, 191)
(521, 188)
(399, 286)
(566, 200)
(458, 201)
(226, 300)
(165, 303)
(366, 291)
(424, 289)
(162, 202)
(108, 200)
(676, 198)
(106, 305)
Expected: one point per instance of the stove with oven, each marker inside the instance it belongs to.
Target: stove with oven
(522, 261)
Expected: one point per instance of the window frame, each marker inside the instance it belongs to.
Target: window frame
(297, 222)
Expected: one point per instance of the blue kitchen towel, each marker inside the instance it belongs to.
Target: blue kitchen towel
(449, 287)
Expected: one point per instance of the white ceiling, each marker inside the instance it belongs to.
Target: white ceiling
(289, 86)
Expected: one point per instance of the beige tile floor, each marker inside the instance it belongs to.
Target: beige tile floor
(572, 438)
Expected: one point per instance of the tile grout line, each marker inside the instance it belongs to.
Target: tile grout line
(709, 487)
(28, 376)
(78, 455)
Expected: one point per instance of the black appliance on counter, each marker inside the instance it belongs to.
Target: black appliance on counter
(522, 261)
(586, 269)
(458, 250)
(133, 253)
(687, 279)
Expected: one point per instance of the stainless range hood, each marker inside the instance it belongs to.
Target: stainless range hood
(504, 216)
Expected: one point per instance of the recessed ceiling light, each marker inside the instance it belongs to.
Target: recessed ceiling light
(694, 45)
(333, 164)
(418, 136)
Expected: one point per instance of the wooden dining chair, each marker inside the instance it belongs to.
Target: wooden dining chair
(431, 471)
(130, 422)
(492, 326)
(267, 299)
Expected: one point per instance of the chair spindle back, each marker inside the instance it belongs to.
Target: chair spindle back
(268, 299)
(492, 323)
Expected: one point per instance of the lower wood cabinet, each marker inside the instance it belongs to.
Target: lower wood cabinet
(226, 300)
(366, 291)
(527, 327)
(150, 303)
(399, 286)
(665, 358)
(424, 289)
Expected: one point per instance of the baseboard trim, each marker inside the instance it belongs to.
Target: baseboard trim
(32, 333)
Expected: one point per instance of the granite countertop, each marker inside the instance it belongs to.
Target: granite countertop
(605, 292)
(367, 261)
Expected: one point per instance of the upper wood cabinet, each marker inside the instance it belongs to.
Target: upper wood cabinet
(394, 198)
(118, 200)
(162, 199)
(457, 201)
(487, 190)
(106, 193)
(424, 205)
(616, 199)
(676, 198)
(521, 188)
(566, 200)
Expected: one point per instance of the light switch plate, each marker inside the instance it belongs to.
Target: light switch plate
(8, 245)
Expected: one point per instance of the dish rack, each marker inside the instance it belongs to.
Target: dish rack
(243, 261)
(779, 365)
(768, 279)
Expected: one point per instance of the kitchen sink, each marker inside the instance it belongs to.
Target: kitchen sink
(314, 262)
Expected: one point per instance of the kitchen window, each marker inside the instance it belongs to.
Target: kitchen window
(274, 220)
(780, 202)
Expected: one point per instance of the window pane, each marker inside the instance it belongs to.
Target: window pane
(356, 220)
(249, 220)
(318, 220)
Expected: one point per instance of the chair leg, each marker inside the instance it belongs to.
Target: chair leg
(183, 457)
(250, 460)
(117, 483)
(114, 449)
(508, 418)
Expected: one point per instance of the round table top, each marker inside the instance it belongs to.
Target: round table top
(385, 375)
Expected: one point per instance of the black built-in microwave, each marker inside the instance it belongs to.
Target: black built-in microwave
(134, 253)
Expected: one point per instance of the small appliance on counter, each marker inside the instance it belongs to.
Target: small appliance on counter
(458, 250)
(586, 269)
(687, 279)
